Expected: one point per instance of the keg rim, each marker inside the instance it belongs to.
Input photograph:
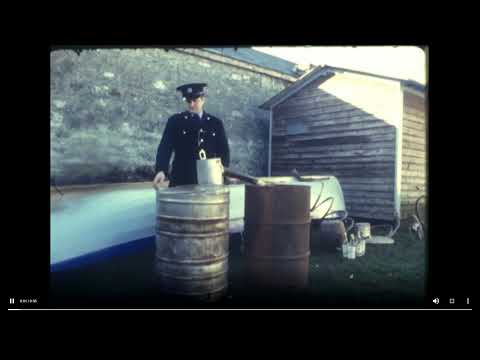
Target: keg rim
(193, 235)
(211, 260)
(190, 219)
(195, 189)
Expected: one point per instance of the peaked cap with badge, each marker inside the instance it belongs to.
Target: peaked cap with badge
(193, 90)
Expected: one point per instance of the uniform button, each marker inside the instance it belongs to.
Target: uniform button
(208, 117)
(184, 132)
(201, 140)
(185, 116)
(201, 130)
(213, 134)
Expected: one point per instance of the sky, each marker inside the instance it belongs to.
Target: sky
(405, 62)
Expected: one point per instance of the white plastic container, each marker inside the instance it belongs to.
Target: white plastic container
(362, 230)
(360, 248)
(352, 248)
(345, 249)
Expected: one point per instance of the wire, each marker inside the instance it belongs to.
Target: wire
(55, 186)
(61, 194)
(418, 225)
(417, 209)
(329, 208)
(349, 228)
(314, 207)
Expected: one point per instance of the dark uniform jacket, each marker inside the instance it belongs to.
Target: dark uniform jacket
(186, 134)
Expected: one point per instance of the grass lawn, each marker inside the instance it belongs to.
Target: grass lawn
(385, 275)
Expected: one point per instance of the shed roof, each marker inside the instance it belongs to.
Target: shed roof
(257, 58)
(326, 72)
(414, 85)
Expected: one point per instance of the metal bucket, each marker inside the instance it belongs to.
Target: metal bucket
(210, 172)
(277, 222)
(192, 239)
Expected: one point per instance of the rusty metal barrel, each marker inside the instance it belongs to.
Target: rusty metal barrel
(192, 239)
(277, 230)
(277, 222)
(278, 274)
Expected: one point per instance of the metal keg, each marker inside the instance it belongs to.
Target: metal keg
(277, 222)
(192, 239)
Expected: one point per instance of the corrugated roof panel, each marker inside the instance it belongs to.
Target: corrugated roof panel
(257, 58)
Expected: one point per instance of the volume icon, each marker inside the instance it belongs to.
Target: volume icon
(436, 301)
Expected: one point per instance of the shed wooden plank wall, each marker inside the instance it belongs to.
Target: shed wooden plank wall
(319, 133)
(414, 158)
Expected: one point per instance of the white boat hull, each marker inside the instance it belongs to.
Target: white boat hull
(89, 219)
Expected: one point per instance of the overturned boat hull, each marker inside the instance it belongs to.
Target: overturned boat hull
(86, 220)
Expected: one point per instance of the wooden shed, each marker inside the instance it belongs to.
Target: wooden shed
(367, 130)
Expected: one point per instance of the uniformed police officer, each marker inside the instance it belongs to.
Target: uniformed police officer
(190, 135)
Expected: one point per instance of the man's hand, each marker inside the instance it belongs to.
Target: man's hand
(159, 178)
